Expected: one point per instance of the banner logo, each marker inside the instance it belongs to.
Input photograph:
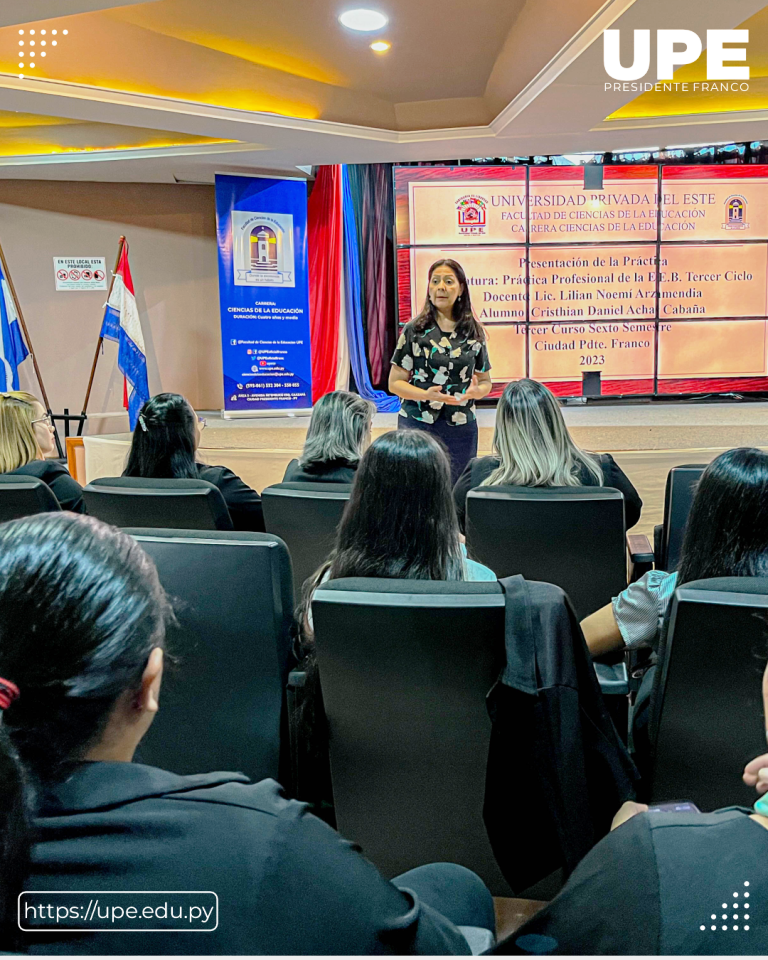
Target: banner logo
(735, 211)
(263, 249)
(470, 211)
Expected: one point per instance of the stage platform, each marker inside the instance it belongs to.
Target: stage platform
(647, 439)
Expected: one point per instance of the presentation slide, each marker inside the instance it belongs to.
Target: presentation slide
(657, 280)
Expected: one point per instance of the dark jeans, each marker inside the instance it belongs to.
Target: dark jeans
(461, 442)
(456, 892)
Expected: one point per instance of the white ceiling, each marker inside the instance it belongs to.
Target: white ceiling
(559, 106)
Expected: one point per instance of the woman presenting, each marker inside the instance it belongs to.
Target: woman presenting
(440, 366)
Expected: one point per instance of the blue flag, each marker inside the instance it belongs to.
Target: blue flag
(13, 350)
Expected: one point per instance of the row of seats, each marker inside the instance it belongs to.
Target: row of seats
(406, 668)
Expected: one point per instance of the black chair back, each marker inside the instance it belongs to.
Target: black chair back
(221, 706)
(168, 504)
(22, 496)
(405, 667)
(678, 497)
(707, 711)
(573, 537)
(305, 516)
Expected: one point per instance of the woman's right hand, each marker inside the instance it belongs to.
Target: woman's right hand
(756, 773)
(435, 394)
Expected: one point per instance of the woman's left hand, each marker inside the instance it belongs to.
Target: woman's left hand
(474, 391)
(756, 773)
(627, 810)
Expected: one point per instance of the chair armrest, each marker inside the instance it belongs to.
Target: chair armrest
(639, 547)
(640, 555)
(612, 678)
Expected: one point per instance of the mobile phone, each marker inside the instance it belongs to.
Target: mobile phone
(677, 806)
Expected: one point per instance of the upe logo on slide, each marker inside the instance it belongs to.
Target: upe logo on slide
(470, 211)
(263, 249)
(675, 48)
(735, 209)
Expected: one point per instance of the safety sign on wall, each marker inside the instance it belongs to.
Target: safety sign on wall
(80, 273)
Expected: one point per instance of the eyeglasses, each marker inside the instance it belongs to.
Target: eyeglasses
(202, 421)
(46, 420)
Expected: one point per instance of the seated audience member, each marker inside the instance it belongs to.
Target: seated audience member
(338, 435)
(164, 446)
(26, 440)
(82, 625)
(657, 884)
(532, 448)
(400, 521)
(726, 536)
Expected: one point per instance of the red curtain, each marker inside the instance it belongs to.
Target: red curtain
(324, 239)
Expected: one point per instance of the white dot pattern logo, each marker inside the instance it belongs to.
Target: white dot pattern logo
(736, 905)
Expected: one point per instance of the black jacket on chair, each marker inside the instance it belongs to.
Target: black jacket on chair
(557, 770)
(613, 476)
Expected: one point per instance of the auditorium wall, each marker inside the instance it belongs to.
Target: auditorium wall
(171, 230)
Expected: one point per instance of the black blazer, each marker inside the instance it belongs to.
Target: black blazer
(286, 882)
(243, 503)
(552, 732)
(613, 476)
(332, 471)
(66, 489)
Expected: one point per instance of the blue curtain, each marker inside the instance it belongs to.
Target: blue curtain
(354, 306)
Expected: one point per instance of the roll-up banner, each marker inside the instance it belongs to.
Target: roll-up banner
(261, 225)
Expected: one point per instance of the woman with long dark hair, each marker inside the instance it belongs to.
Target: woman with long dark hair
(533, 448)
(164, 446)
(82, 628)
(726, 536)
(440, 366)
(400, 521)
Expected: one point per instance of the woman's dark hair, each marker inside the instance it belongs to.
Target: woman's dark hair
(467, 324)
(81, 609)
(163, 445)
(727, 530)
(400, 521)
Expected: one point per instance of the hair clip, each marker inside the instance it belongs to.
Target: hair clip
(8, 693)
(143, 424)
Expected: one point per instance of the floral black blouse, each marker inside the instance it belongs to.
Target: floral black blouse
(443, 360)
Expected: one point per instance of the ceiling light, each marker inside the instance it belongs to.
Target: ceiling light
(21, 65)
(21, 43)
(21, 33)
(380, 46)
(32, 32)
(365, 20)
(31, 43)
(54, 32)
(42, 43)
(43, 32)
(65, 32)
(54, 42)
(43, 53)
(32, 65)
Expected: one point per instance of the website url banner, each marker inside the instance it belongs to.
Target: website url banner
(123, 911)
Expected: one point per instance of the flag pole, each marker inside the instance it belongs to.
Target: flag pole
(48, 410)
(120, 246)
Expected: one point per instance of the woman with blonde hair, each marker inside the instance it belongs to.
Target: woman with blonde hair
(338, 436)
(532, 448)
(27, 441)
